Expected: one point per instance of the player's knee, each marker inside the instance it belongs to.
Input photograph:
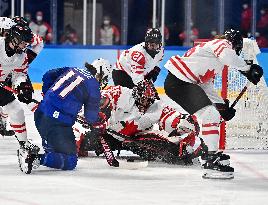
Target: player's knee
(59, 161)
(70, 162)
(209, 114)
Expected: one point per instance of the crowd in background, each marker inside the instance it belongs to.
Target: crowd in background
(109, 31)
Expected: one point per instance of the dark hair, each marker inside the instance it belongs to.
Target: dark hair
(91, 68)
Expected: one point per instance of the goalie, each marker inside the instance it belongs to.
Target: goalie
(131, 114)
(190, 84)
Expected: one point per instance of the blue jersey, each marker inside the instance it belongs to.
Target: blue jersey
(66, 90)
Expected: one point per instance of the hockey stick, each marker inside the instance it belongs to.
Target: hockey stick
(16, 92)
(108, 153)
(240, 94)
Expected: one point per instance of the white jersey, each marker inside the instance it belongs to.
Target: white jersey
(12, 65)
(128, 120)
(201, 63)
(136, 62)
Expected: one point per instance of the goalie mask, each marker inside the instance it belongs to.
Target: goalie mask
(153, 41)
(102, 70)
(145, 95)
(236, 39)
(20, 37)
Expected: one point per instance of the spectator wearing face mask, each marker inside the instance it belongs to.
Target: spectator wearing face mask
(42, 28)
(262, 24)
(109, 33)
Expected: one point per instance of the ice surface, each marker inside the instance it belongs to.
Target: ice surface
(94, 182)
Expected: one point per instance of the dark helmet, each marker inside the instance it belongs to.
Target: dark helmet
(235, 37)
(18, 34)
(144, 94)
(153, 35)
(20, 21)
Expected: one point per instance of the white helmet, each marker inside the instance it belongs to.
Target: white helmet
(5, 24)
(104, 68)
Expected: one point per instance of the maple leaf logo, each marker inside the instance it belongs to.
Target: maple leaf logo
(130, 129)
(207, 76)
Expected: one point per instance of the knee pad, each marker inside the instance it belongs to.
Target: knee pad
(208, 114)
(59, 160)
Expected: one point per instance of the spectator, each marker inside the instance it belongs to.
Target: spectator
(261, 40)
(109, 33)
(28, 18)
(42, 28)
(194, 34)
(70, 36)
(246, 16)
(262, 24)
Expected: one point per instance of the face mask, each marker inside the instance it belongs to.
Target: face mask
(39, 18)
(106, 22)
(213, 33)
(262, 11)
(245, 6)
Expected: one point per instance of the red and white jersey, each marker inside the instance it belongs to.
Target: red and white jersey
(136, 62)
(128, 120)
(37, 43)
(11, 65)
(201, 63)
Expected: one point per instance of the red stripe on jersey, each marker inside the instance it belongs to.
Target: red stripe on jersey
(210, 125)
(118, 65)
(187, 69)
(178, 67)
(219, 40)
(35, 107)
(18, 126)
(20, 131)
(175, 122)
(165, 119)
(210, 132)
(219, 53)
(139, 72)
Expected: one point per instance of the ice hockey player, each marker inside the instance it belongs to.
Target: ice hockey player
(65, 91)
(35, 47)
(131, 113)
(12, 49)
(190, 84)
(141, 61)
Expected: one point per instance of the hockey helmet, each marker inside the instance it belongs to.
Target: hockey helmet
(20, 21)
(144, 94)
(19, 34)
(235, 37)
(153, 35)
(5, 25)
(103, 71)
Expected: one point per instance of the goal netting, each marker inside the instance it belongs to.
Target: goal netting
(249, 128)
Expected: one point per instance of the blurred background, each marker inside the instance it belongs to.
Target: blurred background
(81, 30)
(124, 22)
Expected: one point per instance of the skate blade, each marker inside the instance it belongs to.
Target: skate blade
(213, 174)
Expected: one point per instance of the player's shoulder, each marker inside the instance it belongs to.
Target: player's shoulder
(139, 47)
(83, 72)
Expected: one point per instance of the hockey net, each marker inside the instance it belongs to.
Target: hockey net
(249, 128)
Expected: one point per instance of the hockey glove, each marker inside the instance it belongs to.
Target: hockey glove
(226, 112)
(254, 74)
(153, 74)
(30, 55)
(25, 92)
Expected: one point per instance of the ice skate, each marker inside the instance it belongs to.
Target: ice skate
(28, 157)
(217, 166)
